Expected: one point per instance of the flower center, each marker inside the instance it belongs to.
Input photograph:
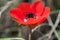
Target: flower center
(30, 15)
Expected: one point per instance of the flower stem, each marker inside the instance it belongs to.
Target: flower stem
(19, 33)
(30, 33)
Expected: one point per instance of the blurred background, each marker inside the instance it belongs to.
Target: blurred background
(48, 30)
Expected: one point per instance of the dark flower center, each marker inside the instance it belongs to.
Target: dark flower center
(30, 15)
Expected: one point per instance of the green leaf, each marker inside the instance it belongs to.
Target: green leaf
(58, 31)
(11, 39)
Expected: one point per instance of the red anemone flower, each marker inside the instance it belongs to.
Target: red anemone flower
(29, 14)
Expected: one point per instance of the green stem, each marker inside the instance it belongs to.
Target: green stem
(30, 34)
(19, 33)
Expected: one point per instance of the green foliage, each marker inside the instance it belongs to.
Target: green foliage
(15, 3)
(11, 39)
(53, 17)
(15, 24)
(2, 2)
(56, 4)
(58, 31)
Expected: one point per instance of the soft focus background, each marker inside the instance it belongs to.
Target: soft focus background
(48, 30)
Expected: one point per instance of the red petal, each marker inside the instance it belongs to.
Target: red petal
(40, 7)
(16, 13)
(25, 7)
(33, 6)
(20, 21)
(31, 21)
(45, 14)
(46, 11)
(34, 20)
(38, 19)
(42, 19)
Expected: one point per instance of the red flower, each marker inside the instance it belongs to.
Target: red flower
(26, 13)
